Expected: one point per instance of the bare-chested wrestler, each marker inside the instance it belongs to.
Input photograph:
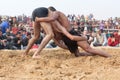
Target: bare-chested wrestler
(43, 12)
(39, 12)
(72, 45)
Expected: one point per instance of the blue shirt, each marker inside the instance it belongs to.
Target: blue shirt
(4, 25)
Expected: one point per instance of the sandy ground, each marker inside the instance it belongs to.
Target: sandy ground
(59, 64)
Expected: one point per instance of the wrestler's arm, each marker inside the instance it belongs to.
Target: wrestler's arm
(61, 28)
(65, 32)
(44, 19)
(60, 43)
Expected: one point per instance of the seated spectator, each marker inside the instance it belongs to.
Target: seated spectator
(23, 32)
(1, 44)
(3, 41)
(8, 32)
(113, 40)
(99, 39)
(117, 38)
(105, 42)
(15, 29)
(35, 46)
(9, 36)
(17, 41)
(89, 36)
(26, 40)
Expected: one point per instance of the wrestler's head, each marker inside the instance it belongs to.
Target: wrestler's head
(39, 12)
(51, 8)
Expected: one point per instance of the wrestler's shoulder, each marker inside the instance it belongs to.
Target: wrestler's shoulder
(59, 12)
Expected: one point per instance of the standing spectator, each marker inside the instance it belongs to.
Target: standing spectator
(82, 26)
(101, 26)
(0, 20)
(111, 23)
(10, 22)
(82, 18)
(4, 25)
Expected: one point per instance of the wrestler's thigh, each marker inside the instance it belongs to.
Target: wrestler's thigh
(83, 44)
(47, 27)
(37, 28)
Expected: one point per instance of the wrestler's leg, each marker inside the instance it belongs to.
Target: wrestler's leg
(49, 35)
(36, 27)
(85, 46)
(78, 53)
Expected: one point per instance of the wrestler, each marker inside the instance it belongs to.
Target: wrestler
(39, 12)
(72, 45)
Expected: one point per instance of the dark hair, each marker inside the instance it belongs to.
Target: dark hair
(28, 33)
(39, 12)
(112, 35)
(52, 8)
(18, 33)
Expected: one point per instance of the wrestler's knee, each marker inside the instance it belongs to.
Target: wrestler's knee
(36, 37)
(51, 35)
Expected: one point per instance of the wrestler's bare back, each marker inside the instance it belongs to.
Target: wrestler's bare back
(63, 20)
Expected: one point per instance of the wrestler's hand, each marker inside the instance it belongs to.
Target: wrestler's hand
(36, 19)
(84, 37)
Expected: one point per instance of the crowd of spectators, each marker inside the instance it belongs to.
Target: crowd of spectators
(15, 32)
(100, 32)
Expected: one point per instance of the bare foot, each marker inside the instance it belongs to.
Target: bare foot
(36, 56)
(24, 54)
(108, 56)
